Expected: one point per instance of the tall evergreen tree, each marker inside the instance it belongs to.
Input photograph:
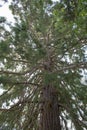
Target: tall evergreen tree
(41, 59)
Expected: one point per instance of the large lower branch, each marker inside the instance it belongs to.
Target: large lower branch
(73, 66)
(11, 72)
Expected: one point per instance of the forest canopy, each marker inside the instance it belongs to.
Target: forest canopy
(42, 62)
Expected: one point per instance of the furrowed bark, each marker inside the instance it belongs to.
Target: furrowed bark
(49, 116)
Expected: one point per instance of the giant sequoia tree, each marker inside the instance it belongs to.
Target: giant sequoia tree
(41, 58)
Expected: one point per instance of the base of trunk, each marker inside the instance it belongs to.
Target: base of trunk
(49, 117)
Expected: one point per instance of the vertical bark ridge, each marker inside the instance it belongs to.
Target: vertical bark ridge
(49, 118)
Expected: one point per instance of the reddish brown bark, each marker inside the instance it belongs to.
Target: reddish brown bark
(49, 118)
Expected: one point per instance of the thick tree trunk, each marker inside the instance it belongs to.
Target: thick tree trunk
(49, 118)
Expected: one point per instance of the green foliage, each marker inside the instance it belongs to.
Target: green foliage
(44, 47)
(2, 19)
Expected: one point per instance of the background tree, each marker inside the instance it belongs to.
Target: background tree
(41, 59)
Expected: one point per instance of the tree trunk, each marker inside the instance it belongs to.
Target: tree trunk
(49, 118)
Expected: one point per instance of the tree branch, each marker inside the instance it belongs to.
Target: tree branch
(19, 83)
(74, 66)
(34, 68)
(11, 72)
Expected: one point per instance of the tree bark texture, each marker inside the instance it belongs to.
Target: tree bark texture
(49, 117)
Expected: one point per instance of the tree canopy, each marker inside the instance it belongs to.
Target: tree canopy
(46, 46)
